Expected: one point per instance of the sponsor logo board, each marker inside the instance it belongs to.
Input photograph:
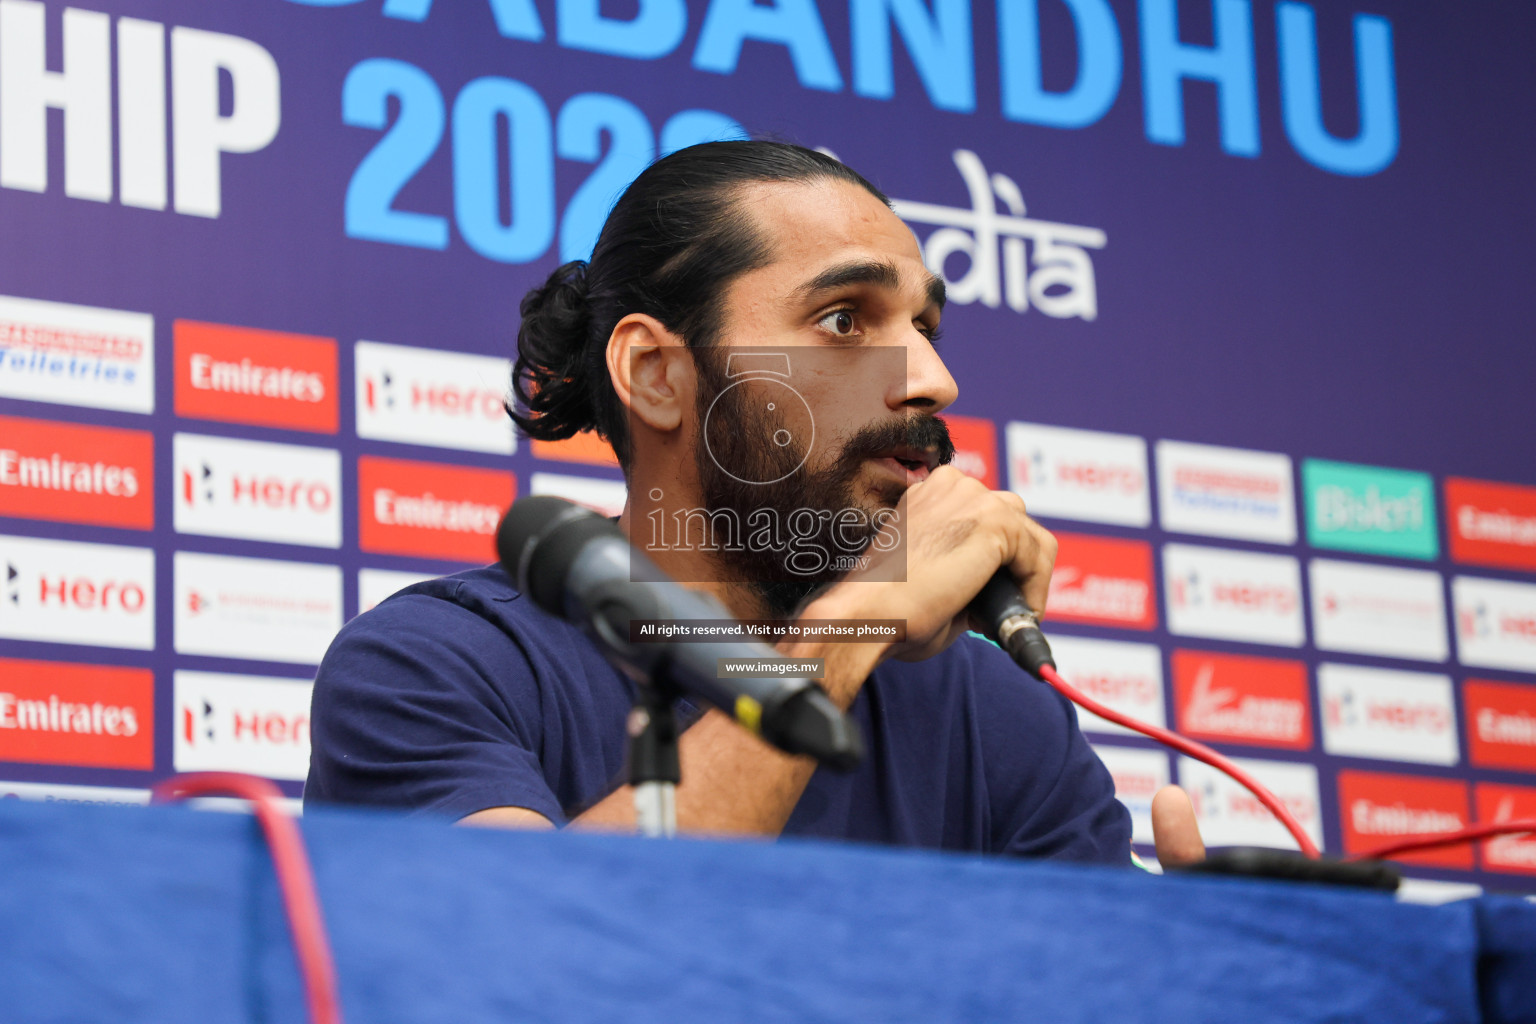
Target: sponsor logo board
(374, 585)
(1238, 699)
(69, 473)
(77, 355)
(1225, 492)
(1370, 509)
(1233, 595)
(604, 496)
(239, 723)
(1080, 474)
(1126, 677)
(1229, 815)
(1138, 775)
(1378, 609)
(265, 378)
(66, 592)
(586, 448)
(1377, 809)
(1492, 524)
(1501, 724)
(93, 716)
(98, 796)
(1103, 581)
(1384, 713)
(255, 608)
(434, 398)
(975, 441)
(431, 510)
(1496, 803)
(1495, 623)
(256, 490)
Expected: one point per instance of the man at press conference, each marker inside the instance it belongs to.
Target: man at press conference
(459, 696)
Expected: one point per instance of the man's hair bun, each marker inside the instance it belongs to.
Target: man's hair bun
(551, 376)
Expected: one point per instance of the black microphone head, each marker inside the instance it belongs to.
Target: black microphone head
(537, 542)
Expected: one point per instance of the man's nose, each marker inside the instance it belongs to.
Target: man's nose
(928, 384)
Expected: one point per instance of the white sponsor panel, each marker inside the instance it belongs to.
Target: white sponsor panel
(77, 355)
(47, 793)
(238, 723)
(374, 585)
(430, 397)
(1080, 474)
(255, 608)
(1127, 677)
(1233, 595)
(72, 593)
(1138, 775)
(1225, 492)
(1495, 623)
(1229, 815)
(1378, 609)
(256, 490)
(1389, 714)
(604, 496)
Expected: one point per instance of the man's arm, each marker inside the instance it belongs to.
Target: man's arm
(955, 533)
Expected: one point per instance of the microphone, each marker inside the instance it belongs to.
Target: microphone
(579, 566)
(1010, 623)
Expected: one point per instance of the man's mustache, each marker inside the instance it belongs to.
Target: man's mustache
(924, 433)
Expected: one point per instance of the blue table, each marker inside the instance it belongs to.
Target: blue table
(171, 915)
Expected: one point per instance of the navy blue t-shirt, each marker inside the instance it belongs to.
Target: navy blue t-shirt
(460, 694)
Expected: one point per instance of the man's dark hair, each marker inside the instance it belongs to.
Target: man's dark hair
(675, 240)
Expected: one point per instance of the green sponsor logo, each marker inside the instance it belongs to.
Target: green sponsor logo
(1370, 509)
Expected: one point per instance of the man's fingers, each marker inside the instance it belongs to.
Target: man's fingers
(1174, 829)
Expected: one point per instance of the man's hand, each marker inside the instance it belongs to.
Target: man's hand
(953, 533)
(1174, 829)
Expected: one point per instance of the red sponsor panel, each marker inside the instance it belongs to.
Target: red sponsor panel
(1496, 803)
(1377, 809)
(586, 448)
(431, 510)
(1501, 724)
(70, 473)
(89, 715)
(1262, 701)
(975, 441)
(245, 375)
(1491, 524)
(1103, 581)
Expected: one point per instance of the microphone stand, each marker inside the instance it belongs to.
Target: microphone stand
(654, 771)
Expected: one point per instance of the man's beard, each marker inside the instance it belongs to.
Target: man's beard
(738, 432)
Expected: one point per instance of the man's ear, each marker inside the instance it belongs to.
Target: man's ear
(649, 371)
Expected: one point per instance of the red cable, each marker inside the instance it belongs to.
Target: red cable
(1432, 840)
(1198, 751)
(294, 878)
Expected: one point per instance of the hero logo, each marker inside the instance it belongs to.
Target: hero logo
(257, 491)
(1127, 677)
(1495, 623)
(1080, 474)
(1138, 775)
(1377, 808)
(66, 592)
(254, 724)
(428, 397)
(1232, 595)
(1229, 815)
(77, 355)
(1261, 701)
(1377, 609)
(1398, 716)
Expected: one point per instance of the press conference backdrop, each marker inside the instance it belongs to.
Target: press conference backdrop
(1239, 301)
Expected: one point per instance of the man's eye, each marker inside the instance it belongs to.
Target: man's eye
(839, 322)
